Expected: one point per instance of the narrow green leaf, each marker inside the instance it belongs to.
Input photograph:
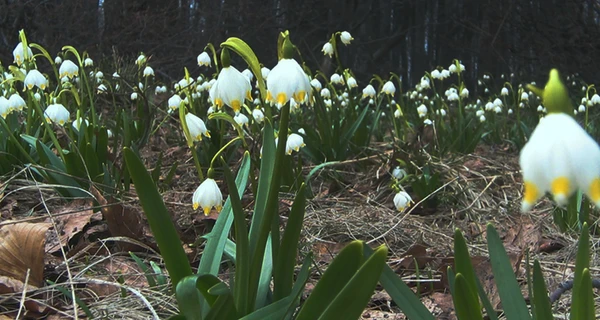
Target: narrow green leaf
(462, 265)
(543, 309)
(189, 298)
(145, 269)
(466, 308)
(508, 288)
(337, 275)
(223, 309)
(585, 294)
(159, 219)
(242, 265)
(489, 309)
(354, 297)
(161, 280)
(402, 295)
(283, 276)
(582, 262)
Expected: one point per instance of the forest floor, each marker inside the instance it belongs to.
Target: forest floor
(84, 247)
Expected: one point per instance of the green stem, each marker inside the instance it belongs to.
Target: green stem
(223, 149)
(14, 139)
(197, 163)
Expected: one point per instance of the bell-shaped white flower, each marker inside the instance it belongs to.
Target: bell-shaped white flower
(325, 93)
(560, 157)
(134, 96)
(77, 123)
(389, 88)
(294, 143)
(231, 89)
(204, 59)
(346, 37)
(207, 196)
(241, 119)
(16, 102)
(174, 102)
(248, 74)
(5, 108)
(436, 74)
(504, 91)
(422, 110)
(352, 83)
(464, 93)
(315, 83)
(398, 173)
(369, 91)
(287, 80)
(57, 60)
(19, 54)
(57, 113)
(524, 96)
(258, 115)
(425, 84)
(328, 49)
(148, 71)
(196, 127)
(35, 78)
(402, 200)
(88, 62)
(68, 69)
(336, 79)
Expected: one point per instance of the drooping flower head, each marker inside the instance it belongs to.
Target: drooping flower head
(231, 87)
(288, 80)
(207, 196)
(196, 126)
(68, 69)
(19, 54)
(57, 113)
(204, 59)
(560, 157)
(35, 78)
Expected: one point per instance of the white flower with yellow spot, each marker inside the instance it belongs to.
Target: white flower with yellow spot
(328, 49)
(560, 157)
(287, 80)
(346, 37)
(402, 200)
(16, 102)
(19, 54)
(68, 69)
(389, 88)
(196, 127)
(204, 59)
(369, 91)
(294, 143)
(230, 89)
(207, 196)
(35, 78)
(5, 108)
(57, 113)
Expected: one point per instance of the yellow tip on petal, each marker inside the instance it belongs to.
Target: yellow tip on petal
(594, 191)
(530, 197)
(218, 208)
(300, 96)
(196, 205)
(219, 103)
(206, 211)
(281, 98)
(561, 189)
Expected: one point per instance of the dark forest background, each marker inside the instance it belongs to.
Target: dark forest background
(406, 37)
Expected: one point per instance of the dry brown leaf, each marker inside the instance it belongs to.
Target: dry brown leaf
(69, 225)
(6, 208)
(22, 248)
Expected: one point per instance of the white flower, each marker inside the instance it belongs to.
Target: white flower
(77, 123)
(231, 89)
(302, 131)
(595, 99)
(436, 74)
(57, 60)
(352, 83)
(5, 108)
(454, 69)
(241, 119)
(35, 78)
(325, 93)
(207, 196)
(389, 88)
(204, 59)
(464, 93)
(57, 113)
(134, 96)
(196, 127)
(454, 96)
(88, 62)
(441, 112)
(102, 88)
(497, 109)
(425, 84)
(287, 80)
(346, 37)
(479, 113)
(116, 75)
(148, 71)
(294, 143)
(336, 79)
(504, 91)
(99, 75)
(248, 74)
(560, 157)
(328, 49)
(397, 113)
(398, 173)
(540, 108)
(422, 111)
(489, 106)
(315, 83)
(581, 108)
(68, 69)
(481, 118)
(174, 102)
(264, 72)
(16, 102)
(141, 59)
(524, 96)
(427, 122)
(369, 91)
(19, 54)
(402, 200)
(444, 74)
(510, 111)
(258, 115)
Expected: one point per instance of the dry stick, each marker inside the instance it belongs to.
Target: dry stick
(566, 286)
(23, 294)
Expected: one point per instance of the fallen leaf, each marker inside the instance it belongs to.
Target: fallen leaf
(22, 248)
(69, 225)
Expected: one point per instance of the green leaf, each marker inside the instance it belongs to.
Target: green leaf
(240, 47)
(466, 307)
(463, 266)
(337, 275)
(242, 265)
(543, 309)
(159, 219)
(354, 297)
(508, 288)
(580, 300)
(189, 298)
(585, 300)
(145, 270)
(402, 295)
(283, 276)
(489, 309)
